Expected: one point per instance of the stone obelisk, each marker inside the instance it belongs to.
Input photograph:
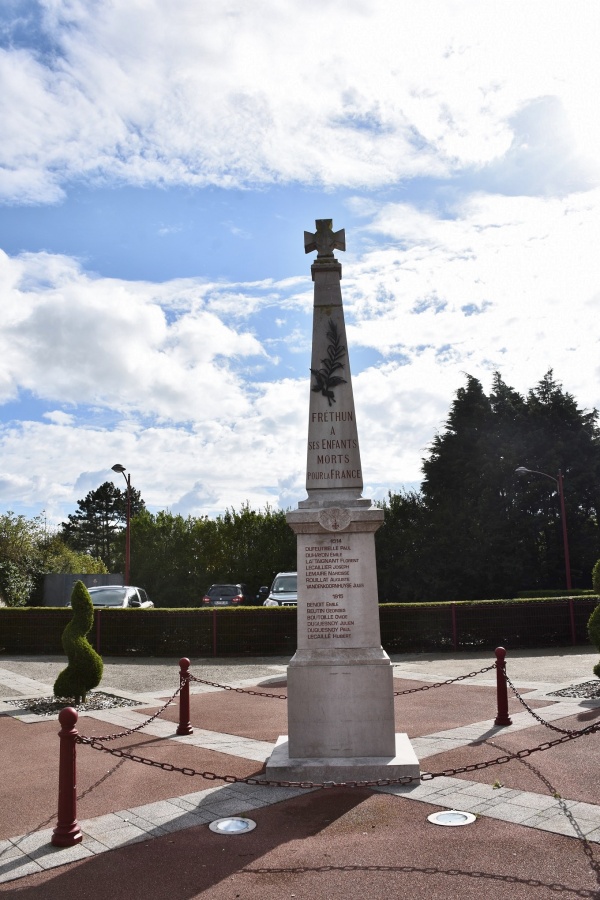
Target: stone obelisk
(340, 690)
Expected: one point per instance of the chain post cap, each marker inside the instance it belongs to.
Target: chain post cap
(68, 717)
(500, 654)
(184, 663)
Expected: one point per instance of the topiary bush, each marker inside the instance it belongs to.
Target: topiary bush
(84, 671)
(596, 578)
(594, 633)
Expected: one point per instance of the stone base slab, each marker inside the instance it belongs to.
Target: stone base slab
(280, 767)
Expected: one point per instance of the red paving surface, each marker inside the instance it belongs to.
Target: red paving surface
(332, 844)
(104, 783)
(569, 769)
(337, 846)
(264, 719)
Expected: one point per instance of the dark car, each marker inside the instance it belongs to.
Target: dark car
(227, 595)
(113, 597)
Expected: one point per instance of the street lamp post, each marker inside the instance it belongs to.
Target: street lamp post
(563, 516)
(119, 468)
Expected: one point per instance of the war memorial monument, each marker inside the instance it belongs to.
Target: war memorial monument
(340, 689)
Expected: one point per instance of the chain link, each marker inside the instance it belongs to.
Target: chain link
(228, 687)
(532, 712)
(437, 684)
(381, 782)
(112, 737)
(427, 687)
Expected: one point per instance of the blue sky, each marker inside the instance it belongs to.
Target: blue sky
(158, 166)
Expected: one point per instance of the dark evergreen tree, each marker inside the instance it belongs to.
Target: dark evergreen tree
(99, 519)
(489, 534)
(461, 489)
(560, 436)
(402, 547)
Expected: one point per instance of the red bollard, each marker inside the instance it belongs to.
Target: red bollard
(503, 717)
(67, 832)
(184, 726)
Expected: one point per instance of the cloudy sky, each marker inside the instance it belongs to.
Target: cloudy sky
(159, 162)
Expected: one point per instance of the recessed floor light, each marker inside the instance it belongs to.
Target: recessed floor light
(451, 817)
(232, 825)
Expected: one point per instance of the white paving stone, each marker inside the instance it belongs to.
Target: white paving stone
(50, 858)
(586, 811)
(157, 812)
(9, 850)
(563, 824)
(18, 868)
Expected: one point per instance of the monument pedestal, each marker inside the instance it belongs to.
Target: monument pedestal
(340, 708)
(340, 681)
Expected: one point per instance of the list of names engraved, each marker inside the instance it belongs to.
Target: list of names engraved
(329, 571)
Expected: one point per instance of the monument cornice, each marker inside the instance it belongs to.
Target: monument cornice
(335, 520)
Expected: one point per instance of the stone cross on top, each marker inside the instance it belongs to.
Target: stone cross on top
(325, 240)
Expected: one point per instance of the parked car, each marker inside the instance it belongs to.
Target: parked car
(111, 596)
(284, 590)
(227, 595)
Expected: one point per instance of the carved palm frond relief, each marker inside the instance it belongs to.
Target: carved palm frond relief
(325, 377)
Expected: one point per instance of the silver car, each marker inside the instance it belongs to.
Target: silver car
(113, 597)
(284, 590)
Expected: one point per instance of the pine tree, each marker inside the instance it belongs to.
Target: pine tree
(99, 519)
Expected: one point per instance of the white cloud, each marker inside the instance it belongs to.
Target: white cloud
(58, 417)
(526, 265)
(80, 339)
(338, 94)
(203, 471)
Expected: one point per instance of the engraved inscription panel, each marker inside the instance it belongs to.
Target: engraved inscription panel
(337, 590)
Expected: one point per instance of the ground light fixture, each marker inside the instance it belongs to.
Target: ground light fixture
(232, 825)
(451, 817)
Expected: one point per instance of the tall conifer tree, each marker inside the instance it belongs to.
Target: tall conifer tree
(96, 524)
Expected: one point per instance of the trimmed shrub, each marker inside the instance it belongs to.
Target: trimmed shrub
(596, 578)
(84, 671)
(594, 633)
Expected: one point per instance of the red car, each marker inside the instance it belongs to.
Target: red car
(226, 595)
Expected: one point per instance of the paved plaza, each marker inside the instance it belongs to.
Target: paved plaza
(537, 828)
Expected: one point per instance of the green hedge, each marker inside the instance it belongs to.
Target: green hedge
(574, 592)
(155, 632)
(265, 631)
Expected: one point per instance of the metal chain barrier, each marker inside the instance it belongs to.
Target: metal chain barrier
(112, 737)
(381, 782)
(428, 687)
(572, 731)
(228, 687)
